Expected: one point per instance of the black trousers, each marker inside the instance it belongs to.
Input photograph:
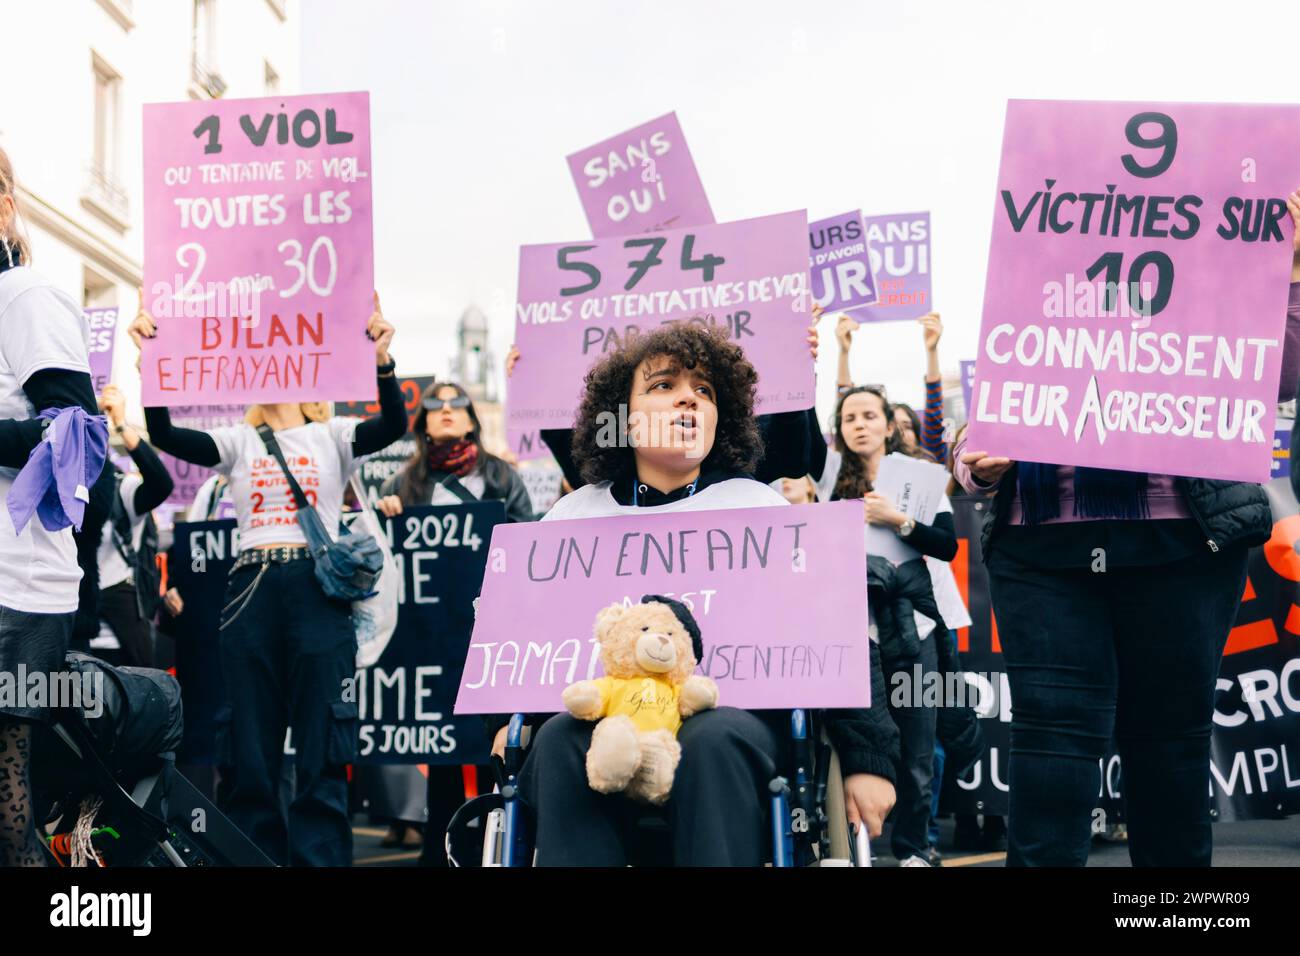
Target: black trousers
(909, 833)
(120, 611)
(718, 810)
(1135, 650)
(286, 651)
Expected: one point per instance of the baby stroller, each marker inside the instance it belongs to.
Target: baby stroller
(104, 777)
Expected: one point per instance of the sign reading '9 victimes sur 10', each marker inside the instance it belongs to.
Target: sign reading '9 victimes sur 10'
(1137, 287)
(259, 251)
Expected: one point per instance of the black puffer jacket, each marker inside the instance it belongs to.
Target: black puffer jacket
(1229, 513)
(895, 593)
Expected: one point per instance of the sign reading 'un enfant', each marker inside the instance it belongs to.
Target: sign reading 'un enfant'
(756, 580)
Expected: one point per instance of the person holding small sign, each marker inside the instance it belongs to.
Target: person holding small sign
(1114, 594)
(288, 649)
(692, 444)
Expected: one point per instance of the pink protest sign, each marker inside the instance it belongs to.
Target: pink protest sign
(643, 180)
(258, 251)
(900, 262)
(103, 333)
(579, 300)
(756, 580)
(1137, 287)
(840, 262)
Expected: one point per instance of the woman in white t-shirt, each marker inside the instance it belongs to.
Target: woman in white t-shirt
(286, 648)
(44, 364)
(692, 445)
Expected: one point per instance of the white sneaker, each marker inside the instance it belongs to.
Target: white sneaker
(915, 860)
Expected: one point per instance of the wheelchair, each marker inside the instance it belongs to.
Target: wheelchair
(808, 822)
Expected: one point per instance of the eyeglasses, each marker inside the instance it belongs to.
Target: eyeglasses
(437, 404)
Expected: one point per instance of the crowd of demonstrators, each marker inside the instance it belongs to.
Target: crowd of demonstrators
(44, 385)
(1131, 654)
(287, 647)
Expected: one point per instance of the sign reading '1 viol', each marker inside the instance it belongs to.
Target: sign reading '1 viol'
(579, 300)
(1137, 287)
(259, 251)
(755, 579)
(643, 180)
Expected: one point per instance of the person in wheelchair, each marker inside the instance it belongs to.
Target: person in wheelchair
(692, 443)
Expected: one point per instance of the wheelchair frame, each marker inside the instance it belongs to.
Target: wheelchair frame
(808, 823)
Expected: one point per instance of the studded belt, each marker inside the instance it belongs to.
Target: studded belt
(281, 555)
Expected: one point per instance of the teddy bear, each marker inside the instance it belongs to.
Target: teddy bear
(648, 651)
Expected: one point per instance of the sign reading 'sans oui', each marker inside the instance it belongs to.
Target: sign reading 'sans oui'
(642, 180)
(258, 250)
(1137, 287)
(756, 580)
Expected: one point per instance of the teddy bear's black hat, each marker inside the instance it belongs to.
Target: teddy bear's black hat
(687, 620)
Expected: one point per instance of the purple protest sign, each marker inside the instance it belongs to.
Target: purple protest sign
(188, 478)
(840, 262)
(900, 262)
(643, 180)
(1137, 287)
(756, 580)
(578, 301)
(103, 334)
(967, 383)
(258, 252)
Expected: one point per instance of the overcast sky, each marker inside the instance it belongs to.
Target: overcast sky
(890, 106)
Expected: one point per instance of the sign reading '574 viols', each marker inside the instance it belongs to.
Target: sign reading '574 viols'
(1137, 287)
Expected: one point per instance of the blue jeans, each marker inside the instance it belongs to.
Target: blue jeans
(286, 650)
(1135, 650)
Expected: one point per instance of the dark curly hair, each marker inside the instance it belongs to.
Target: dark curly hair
(852, 481)
(691, 344)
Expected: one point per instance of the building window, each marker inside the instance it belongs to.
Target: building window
(203, 51)
(104, 193)
(98, 291)
(272, 82)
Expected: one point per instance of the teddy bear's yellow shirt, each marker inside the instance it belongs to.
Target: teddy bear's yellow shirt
(651, 703)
